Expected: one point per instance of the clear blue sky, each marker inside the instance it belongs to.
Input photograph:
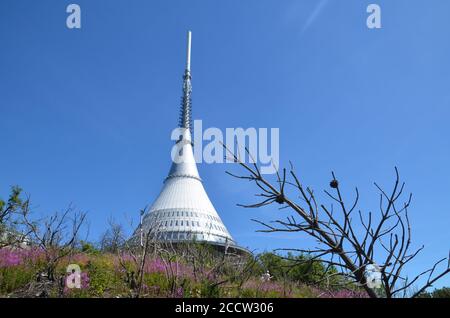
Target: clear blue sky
(86, 114)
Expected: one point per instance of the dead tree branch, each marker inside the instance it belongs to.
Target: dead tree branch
(383, 245)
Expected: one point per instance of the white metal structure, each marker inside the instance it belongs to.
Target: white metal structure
(183, 210)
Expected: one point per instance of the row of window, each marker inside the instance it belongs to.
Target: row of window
(184, 214)
(170, 223)
(190, 236)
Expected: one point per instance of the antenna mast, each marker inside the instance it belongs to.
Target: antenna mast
(188, 57)
(185, 116)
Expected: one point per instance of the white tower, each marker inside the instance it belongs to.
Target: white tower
(183, 211)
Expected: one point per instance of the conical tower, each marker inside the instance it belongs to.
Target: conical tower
(183, 210)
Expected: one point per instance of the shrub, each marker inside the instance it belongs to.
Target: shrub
(13, 278)
(103, 277)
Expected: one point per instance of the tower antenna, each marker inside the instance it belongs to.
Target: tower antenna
(188, 57)
(186, 102)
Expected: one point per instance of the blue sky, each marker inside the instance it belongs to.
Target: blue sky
(86, 114)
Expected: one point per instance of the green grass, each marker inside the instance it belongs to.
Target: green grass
(105, 277)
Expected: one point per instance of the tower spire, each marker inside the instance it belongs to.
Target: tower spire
(188, 56)
(186, 103)
(183, 211)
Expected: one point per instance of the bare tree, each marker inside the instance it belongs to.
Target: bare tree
(208, 265)
(136, 250)
(55, 235)
(170, 254)
(113, 239)
(382, 243)
(216, 267)
(239, 269)
(212, 266)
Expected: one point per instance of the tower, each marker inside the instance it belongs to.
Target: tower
(183, 211)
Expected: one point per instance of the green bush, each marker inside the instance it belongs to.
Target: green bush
(103, 278)
(13, 278)
(89, 248)
(443, 292)
(294, 268)
(156, 284)
(209, 289)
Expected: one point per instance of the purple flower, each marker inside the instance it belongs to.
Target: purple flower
(155, 266)
(80, 259)
(343, 293)
(159, 266)
(264, 288)
(178, 293)
(10, 257)
(84, 280)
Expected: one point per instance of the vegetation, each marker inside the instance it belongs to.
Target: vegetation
(46, 258)
(443, 292)
(102, 275)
